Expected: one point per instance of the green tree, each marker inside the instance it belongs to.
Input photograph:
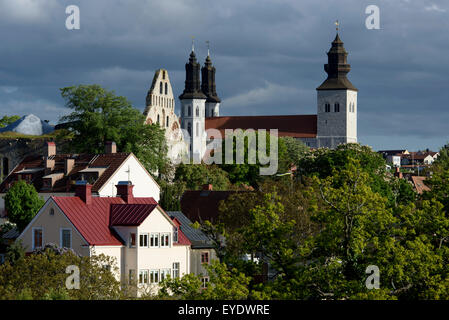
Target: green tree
(295, 150)
(224, 284)
(7, 120)
(171, 194)
(194, 176)
(99, 116)
(42, 275)
(22, 203)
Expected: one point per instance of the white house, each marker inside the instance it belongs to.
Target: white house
(146, 243)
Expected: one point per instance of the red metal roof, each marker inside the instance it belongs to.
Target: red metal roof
(130, 214)
(92, 221)
(297, 126)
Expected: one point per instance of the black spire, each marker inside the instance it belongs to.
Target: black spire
(192, 88)
(337, 68)
(208, 81)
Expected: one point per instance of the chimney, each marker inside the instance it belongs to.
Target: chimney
(125, 191)
(51, 149)
(207, 187)
(110, 147)
(68, 165)
(84, 191)
(398, 173)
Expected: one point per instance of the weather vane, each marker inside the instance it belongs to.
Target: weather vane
(193, 46)
(337, 24)
(207, 42)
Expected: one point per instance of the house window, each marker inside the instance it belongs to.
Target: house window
(154, 240)
(327, 107)
(143, 276)
(165, 273)
(154, 276)
(165, 240)
(66, 238)
(205, 257)
(337, 107)
(132, 276)
(38, 236)
(175, 270)
(52, 212)
(132, 240)
(175, 234)
(204, 282)
(143, 240)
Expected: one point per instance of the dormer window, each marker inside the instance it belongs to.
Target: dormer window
(175, 234)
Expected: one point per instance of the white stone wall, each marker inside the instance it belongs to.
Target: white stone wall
(334, 128)
(197, 123)
(212, 109)
(160, 109)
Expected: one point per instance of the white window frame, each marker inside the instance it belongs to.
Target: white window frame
(208, 257)
(147, 240)
(165, 235)
(152, 273)
(61, 230)
(131, 275)
(32, 237)
(164, 273)
(204, 282)
(154, 235)
(175, 234)
(130, 240)
(142, 274)
(176, 270)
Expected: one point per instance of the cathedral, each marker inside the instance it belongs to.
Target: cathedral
(334, 123)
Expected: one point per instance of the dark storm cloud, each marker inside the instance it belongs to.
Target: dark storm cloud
(269, 57)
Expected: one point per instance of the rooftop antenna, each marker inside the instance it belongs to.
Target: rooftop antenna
(208, 43)
(337, 25)
(193, 44)
(129, 173)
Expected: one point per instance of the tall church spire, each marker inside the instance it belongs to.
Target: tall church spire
(192, 88)
(337, 67)
(208, 81)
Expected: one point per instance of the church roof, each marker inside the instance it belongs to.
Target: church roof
(337, 68)
(296, 126)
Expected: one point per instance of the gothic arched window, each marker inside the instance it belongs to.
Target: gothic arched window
(327, 107)
(189, 128)
(197, 111)
(189, 111)
(166, 88)
(197, 130)
(166, 123)
(337, 107)
(158, 119)
(160, 87)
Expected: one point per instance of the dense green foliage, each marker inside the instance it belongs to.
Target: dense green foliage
(42, 275)
(22, 203)
(100, 116)
(194, 176)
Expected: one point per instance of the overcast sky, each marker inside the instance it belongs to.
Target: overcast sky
(269, 56)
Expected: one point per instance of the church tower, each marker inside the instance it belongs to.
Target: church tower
(193, 109)
(337, 101)
(209, 89)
